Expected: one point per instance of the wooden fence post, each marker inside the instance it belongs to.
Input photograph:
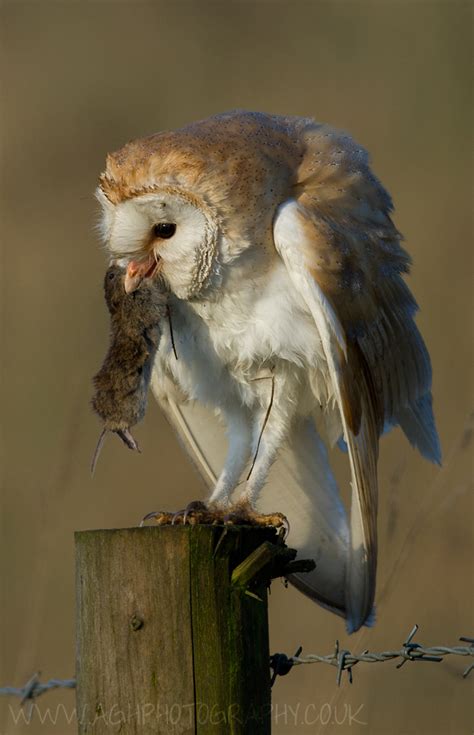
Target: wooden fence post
(172, 629)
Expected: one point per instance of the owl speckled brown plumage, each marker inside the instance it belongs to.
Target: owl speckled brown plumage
(276, 242)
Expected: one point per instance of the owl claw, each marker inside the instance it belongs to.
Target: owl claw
(176, 517)
(161, 517)
(241, 514)
(195, 512)
(244, 514)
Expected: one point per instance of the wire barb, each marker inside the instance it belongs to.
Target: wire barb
(344, 660)
(34, 688)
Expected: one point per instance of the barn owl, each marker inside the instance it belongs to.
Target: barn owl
(285, 273)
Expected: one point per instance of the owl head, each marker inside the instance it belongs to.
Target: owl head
(162, 230)
(191, 201)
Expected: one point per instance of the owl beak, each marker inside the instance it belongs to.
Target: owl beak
(137, 270)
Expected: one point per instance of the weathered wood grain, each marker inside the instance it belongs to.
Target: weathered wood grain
(166, 642)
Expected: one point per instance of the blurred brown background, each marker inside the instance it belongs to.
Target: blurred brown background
(79, 80)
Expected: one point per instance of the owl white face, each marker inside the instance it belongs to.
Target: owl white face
(161, 232)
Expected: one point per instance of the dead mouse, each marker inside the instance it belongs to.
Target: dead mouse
(121, 384)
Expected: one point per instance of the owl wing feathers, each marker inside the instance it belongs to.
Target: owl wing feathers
(198, 432)
(357, 403)
(347, 266)
(353, 252)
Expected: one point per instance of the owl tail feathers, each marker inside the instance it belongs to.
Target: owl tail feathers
(362, 442)
(361, 570)
(362, 563)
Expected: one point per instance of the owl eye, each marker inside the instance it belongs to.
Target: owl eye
(164, 230)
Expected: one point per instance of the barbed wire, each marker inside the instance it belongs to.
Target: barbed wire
(344, 660)
(281, 664)
(34, 688)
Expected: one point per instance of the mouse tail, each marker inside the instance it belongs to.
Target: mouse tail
(97, 451)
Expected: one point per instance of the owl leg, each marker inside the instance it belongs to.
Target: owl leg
(218, 509)
(266, 451)
(239, 434)
(270, 431)
(268, 437)
(239, 431)
(244, 512)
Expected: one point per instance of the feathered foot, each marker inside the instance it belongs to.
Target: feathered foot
(241, 513)
(195, 512)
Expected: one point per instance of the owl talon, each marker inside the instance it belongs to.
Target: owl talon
(161, 517)
(194, 510)
(241, 514)
(176, 517)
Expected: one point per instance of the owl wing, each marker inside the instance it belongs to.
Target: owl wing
(346, 263)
